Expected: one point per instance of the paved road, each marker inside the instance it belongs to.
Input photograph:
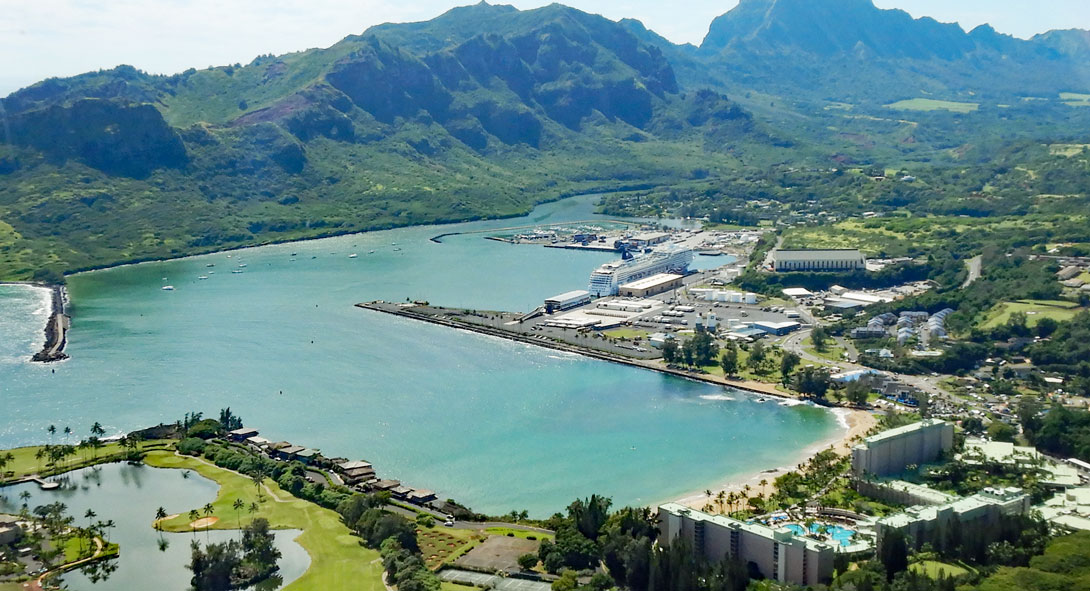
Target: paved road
(974, 265)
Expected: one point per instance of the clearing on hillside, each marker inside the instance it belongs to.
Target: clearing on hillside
(926, 104)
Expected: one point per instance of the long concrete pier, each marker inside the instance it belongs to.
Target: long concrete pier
(415, 312)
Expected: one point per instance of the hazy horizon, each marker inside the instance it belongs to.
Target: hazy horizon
(54, 38)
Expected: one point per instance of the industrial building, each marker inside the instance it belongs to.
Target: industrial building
(649, 286)
(566, 301)
(777, 553)
(845, 259)
(891, 452)
(723, 295)
(977, 516)
(647, 239)
(776, 328)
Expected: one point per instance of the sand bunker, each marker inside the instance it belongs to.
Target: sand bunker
(204, 522)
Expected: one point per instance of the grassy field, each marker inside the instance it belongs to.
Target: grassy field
(25, 462)
(338, 559)
(1035, 310)
(833, 352)
(932, 568)
(503, 531)
(626, 333)
(926, 104)
(1074, 99)
(1068, 150)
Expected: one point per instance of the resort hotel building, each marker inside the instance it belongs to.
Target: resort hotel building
(777, 553)
(840, 259)
(977, 516)
(891, 452)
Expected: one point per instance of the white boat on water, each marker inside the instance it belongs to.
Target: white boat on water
(241, 265)
(168, 288)
(236, 272)
(372, 252)
(203, 277)
(353, 255)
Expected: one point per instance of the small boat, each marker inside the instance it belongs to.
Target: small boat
(203, 277)
(211, 272)
(236, 272)
(210, 265)
(372, 252)
(353, 255)
(293, 254)
(168, 288)
(397, 248)
(241, 265)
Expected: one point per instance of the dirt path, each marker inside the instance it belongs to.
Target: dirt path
(39, 583)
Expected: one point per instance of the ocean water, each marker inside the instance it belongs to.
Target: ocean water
(495, 424)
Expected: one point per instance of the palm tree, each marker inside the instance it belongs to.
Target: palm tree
(193, 517)
(52, 429)
(67, 432)
(208, 510)
(5, 459)
(39, 454)
(108, 524)
(258, 477)
(89, 515)
(160, 515)
(238, 505)
(253, 509)
(763, 483)
(25, 497)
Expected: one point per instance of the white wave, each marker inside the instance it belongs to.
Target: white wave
(793, 402)
(841, 415)
(717, 397)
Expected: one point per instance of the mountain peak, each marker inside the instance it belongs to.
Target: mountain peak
(827, 27)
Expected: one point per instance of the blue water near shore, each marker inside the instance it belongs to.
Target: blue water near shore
(496, 424)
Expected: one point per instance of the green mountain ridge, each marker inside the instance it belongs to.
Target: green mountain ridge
(482, 111)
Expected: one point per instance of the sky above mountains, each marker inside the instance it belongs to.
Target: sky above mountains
(48, 38)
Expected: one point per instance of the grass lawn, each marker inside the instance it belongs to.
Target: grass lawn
(932, 568)
(926, 104)
(503, 531)
(443, 586)
(833, 351)
(338, 560)
(626, 333)
(1035, 310)
(26, 463)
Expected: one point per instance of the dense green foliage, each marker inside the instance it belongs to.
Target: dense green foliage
(235, 564)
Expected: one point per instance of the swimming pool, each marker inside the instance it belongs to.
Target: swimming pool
(838, 534)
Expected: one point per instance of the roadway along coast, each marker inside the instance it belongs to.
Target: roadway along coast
(506, 326)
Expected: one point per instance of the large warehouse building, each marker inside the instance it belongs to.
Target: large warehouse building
(890, 452)
(778, 554)
(843, 259)
(649, 286)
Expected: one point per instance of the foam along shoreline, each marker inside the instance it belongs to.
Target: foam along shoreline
(854, 423)
(56, 329)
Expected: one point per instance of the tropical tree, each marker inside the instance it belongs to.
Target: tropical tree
(208, 511)
(193, 517)
(253, 508)
(160, 515)
(238, 505)
(729, 359)
(67, 433)
(788, 363)
(52, 429)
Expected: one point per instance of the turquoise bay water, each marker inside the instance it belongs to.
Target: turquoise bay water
(495, 424)
(129, 495)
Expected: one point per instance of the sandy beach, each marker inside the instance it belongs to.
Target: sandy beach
(855, 423)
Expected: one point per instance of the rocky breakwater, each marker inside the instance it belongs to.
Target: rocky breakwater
(56, 330)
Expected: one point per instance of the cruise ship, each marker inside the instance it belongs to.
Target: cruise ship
(605, 280)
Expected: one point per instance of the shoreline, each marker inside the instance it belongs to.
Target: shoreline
(853, 422)
(334, 234)
(56, 327)
(856, 423)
